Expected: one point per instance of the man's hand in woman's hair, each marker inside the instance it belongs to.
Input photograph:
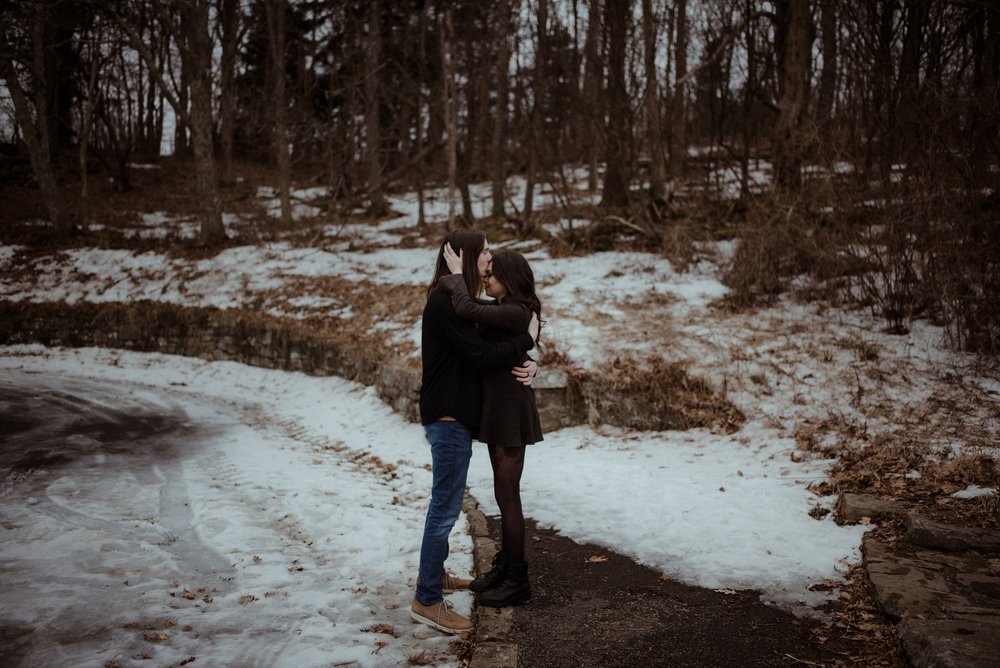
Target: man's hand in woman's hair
(525, 373)
(454, 261)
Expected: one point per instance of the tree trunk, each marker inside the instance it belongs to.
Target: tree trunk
(85, 127)
(794, 43)
(276, 33)
(474, 76)
(657, 163)
(748, 99)
(828, 75)
(60, 63)
(535, 138)
(377, 205)
(230, 20)
(450, 111)
(678, 105)
(182, 111)
(34, 131)
(986, 117)
(592, 92)
(498, 155)
(616, 179)
(419, 141)
(198, 66)
(908, 128)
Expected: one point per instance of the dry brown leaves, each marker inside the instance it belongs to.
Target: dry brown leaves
(663, 387)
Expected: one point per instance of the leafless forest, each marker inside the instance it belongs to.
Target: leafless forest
(875, 121)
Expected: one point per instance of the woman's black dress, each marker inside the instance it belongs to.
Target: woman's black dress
(510, 414)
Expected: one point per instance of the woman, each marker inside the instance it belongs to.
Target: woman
(509, 419)
(454, 357)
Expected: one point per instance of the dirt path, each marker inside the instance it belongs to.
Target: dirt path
(589, 612)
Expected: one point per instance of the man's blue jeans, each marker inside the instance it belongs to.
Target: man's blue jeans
(451, 450)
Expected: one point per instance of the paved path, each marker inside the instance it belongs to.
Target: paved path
(592, 607)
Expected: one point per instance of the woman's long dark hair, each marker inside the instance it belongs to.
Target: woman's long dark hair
(514, 273)
(471, 244)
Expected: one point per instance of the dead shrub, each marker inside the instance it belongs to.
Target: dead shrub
(935, 254)
(978, 469)
(656, 394)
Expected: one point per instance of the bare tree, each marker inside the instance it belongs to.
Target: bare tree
(450, 104)
(276, 11)
(539, 94)
(616, 175)
(593, 91)
(678, 101)
(985, 117)
(229, 23)
(197, 60)
(86, 124)
(654, 126)
(377, 205)
(34, 122)
(828, 73)
(196, 56)
(793, 25)
(498, 156)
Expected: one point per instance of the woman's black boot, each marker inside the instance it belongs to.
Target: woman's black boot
(492, 577)
(513, 590)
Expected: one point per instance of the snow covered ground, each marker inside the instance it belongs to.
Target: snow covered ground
(317, 473)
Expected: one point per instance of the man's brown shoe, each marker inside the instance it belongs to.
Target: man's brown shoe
(441, 616)
(450, 583)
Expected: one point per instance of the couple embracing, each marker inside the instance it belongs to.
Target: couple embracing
(476, 385)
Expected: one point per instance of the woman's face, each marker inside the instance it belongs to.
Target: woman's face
(494, 288)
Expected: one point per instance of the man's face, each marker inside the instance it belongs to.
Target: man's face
(483, 264)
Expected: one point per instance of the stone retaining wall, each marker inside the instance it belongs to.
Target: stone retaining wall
(325, 349)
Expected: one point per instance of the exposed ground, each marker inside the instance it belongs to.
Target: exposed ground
(591, 606)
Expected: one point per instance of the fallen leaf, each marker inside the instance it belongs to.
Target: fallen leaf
(387, 629)
(420, 659)
(156, 637)
(596, 559)
(727, 592)
(247, 598)
(664, 578)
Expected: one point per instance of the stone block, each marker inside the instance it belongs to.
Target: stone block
(965, 642)
(923, 584)
(493, 624)
(485, 547)
(494, 655)
(853, 507)
(928, 532)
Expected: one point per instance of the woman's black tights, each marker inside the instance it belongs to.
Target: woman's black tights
(508, 463)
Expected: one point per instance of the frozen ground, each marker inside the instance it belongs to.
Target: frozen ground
(256, 517)
(282, 471)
